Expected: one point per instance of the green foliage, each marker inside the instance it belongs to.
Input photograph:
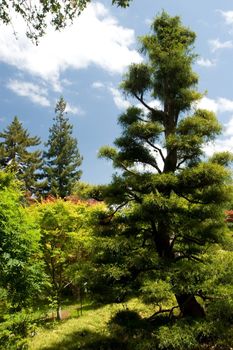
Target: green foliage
(122, 3)
(16, 158)
(15, 329)
(156, 292)
(59, 13)
(137, 80)
(62, 159)
(166, 205)
(86, 191)
(20, 272)
(223, 158)
(66, 243)
(176, 337)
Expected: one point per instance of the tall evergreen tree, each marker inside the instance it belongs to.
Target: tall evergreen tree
(62, 158)
(173, 196)
(16, 156)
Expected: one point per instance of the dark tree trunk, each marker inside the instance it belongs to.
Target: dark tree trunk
(162, 240)
(187, 302)
(189, 306)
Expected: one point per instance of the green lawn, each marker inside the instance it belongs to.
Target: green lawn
(80, 331)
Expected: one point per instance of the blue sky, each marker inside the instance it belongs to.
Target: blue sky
(85, 64)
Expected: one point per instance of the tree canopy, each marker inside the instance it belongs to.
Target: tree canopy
(20, 272)
(37, 14)
(168, 198)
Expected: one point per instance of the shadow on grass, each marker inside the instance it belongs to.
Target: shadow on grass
(126, 328)
(86, 340)
(88, 307)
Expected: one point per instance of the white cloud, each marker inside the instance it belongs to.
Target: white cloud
(142, 168)
(224, 105)
(228, 16)
(220, 145)
(221, 104)
(216, 44)
(95, 38)
(97, 85)
(66, 82)
(118, 99)
(206, 62)
(156, 104)
(208, 103)
(34, 92)
(225, 143)
(74, 109)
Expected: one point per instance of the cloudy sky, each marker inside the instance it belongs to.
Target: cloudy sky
(85, 62)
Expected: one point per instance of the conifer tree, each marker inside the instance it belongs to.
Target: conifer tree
(62, 158)
(167, 200)
(16, 156)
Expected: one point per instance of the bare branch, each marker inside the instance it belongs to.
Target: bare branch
(156, 148)
(181, 162)
(161, 311)
(110, 216)
(140, 99)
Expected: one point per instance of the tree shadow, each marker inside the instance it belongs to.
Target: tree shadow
(87, 340)
(127, 329)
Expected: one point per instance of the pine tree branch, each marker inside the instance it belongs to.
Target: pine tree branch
(117, 209)
(140, 99)
(205, 297)
(126, 169)
(189, 257)
(156, 148)
(181, 162)
(193, 201)
(136, 197)
(161, 311)
(194, 240)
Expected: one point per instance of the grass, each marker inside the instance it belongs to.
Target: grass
(91, 330)
(81, 332)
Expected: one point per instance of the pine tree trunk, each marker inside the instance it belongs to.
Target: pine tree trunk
(189, 306)
(187, 302)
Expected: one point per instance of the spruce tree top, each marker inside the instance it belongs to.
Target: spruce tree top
(62, 158)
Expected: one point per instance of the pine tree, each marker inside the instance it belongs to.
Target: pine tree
(167, 201)
(16, 157)
(62, 158)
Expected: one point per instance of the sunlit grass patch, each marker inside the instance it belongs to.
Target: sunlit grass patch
(80, 331)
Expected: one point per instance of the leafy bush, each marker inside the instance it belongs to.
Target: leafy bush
(127, 319)
(15, 330)
(176, 337)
